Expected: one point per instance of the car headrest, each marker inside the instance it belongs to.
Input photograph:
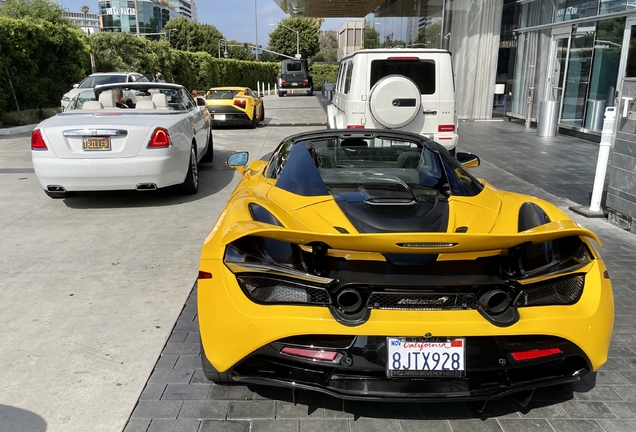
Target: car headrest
(160, 100)
(92, 105)
(107, 99)
(145, 104)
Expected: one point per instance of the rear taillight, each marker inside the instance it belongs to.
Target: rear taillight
(446, 128)
(535, 354)
(37, 142)
(240, 103)
(159, 139)
(204, 275)
(355, 126)
(310, 353)
(305, 80)
(283, 80)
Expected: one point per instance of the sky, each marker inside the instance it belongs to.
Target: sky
(234, 18)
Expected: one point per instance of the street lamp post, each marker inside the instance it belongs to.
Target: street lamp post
(137, 16)
(256, 25)
(297, 38)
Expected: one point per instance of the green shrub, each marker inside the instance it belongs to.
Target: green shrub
(27, 117)
(318, 72)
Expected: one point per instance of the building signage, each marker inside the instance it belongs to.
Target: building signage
(120, 11)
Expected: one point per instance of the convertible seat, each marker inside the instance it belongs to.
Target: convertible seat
(92, 105)
(160, 100)
(107, 99)
(145, 104)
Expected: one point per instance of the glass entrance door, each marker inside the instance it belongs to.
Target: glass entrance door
(627, 77)
(579, 67)
(558, 63)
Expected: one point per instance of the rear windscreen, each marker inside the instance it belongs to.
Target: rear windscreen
(221, 94)
(294, 66)
(421, 72)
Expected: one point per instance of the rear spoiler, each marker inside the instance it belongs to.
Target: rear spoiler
(429, 243)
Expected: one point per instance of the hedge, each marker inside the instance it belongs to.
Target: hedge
(318, 72)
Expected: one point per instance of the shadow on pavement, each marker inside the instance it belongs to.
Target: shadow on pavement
(14, 419)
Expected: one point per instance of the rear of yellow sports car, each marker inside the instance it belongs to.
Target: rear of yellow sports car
(232, 106)
(294, 291)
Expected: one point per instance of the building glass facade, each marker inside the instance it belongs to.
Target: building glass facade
(120, 16)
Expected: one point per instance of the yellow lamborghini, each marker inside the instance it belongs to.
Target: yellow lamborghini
(371, 264)
(234, 106)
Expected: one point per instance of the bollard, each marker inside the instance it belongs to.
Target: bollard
(603, 158)
(267, 89)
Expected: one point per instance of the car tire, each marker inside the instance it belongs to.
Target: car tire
(254, 121)
(281, 94)
(262, 113)
(310, 92)
(58, 195)
(190, 185)
(210, 371)
(209, 153)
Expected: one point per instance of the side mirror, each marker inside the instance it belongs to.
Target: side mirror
(238, 161)
(468, 160)
(75, 85)
(200, 101)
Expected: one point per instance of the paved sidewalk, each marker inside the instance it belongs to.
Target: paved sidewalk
(178, 397)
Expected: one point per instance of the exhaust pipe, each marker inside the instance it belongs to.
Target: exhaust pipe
(55, 188)
(494, 302)
(349, 300)
(146, 187)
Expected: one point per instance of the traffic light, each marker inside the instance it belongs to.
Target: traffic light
(245, 47)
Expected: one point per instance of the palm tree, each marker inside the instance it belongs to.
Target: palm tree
(85, 10)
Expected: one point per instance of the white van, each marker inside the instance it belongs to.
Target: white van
(398, 88)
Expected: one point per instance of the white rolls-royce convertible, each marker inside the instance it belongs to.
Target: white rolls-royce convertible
(102, 143)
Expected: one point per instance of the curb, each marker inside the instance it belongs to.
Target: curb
(18, 129)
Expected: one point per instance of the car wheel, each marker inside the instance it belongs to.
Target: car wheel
(59, 194)
(254, 121)
(210, 372)
(209, 154)
(190, 185)
(281, 94)
(262, 113)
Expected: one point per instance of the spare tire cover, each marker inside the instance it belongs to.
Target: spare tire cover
(395, 101)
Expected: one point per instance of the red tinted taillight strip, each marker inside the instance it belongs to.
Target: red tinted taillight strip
(310, 353)
(535, 354)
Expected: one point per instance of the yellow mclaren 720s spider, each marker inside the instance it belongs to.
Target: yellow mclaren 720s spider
(370, 264)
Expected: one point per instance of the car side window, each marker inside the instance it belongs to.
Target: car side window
(347, 84)
(277, 162)
(342, 75)
(187, 100)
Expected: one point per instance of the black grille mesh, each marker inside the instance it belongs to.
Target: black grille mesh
(411, 211)
(269, 290)
(423, 301)
(562, 292)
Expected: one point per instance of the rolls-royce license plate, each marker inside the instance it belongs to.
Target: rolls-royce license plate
(96, 143)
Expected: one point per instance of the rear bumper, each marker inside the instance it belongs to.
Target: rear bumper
(291, 86)
(110, 174)
(359, 370)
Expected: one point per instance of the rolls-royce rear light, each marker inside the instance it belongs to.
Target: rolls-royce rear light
(310, 353)
(355, 126)
(204, 275)
(446, 128)
(535, 354)
(37, 142)
(404, 58)
(159, 139)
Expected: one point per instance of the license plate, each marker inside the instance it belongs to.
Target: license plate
(294, 84)
(419, 357)
(219, 116)
(96, 143)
